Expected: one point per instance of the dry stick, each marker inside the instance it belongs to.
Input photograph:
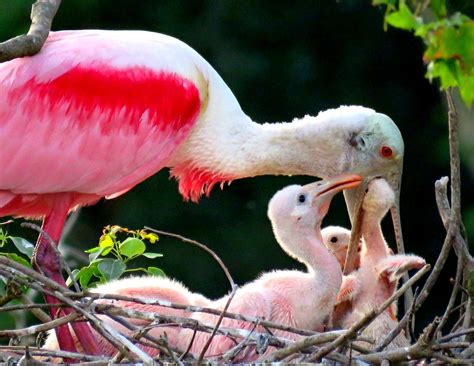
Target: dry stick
(52, 353)
(455, 335)
(234, 351)
(39, 327)
(216, 327)
(42, 14)
(460, 247)
(140, 332)
(200, 245)
(29, 306)
(352, 331)
(454, 295)
(188, 348)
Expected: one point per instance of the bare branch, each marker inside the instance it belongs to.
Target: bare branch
(200, 245)
(42, 14)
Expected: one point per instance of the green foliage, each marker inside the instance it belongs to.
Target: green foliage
(449, 41)
(22, 245)
(8, 290)
(120, 252)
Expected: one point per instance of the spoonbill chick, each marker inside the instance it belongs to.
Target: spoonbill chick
(380, 270)
(294, 298)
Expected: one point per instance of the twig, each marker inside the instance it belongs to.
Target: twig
(230, 354)
(454, 294)
(457, 334)
(42, 14)
(216, 327)
(351, 332)
(200, 245)
(40, 327)
(53, 353)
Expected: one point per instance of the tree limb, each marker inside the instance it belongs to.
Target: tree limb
(42, 14)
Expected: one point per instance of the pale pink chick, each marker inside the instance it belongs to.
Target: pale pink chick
(379, 272)
(336, 239)
(150, 288)
(299, 299)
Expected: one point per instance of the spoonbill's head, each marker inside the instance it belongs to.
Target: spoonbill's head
(298, 210)
(378, 199)
(336, 239)
(376, 152)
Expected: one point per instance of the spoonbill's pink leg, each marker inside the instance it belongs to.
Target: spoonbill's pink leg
(46, 261)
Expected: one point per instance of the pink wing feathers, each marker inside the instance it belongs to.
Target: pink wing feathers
(81, 127)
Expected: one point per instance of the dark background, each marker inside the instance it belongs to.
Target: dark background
(282, 59)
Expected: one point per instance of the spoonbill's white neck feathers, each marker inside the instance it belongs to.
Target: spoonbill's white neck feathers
(226, 145)
(296, 213)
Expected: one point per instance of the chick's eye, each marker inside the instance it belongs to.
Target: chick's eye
(334, 239)
(386, 152)
(301, 198)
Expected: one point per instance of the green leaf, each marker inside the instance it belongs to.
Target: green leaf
(23, 245)
(74, 272)
(18, 259)
(403, 18)
(439, 8)
(94, 253)
(3, 237)
(156, 272)
(86, 275)
(111, 268)
(132, 247)
(152, 255)
(383, 2)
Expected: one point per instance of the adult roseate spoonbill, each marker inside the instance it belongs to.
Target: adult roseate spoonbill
(380, 270)
(97, 112)
(299, 299)
(149, 288)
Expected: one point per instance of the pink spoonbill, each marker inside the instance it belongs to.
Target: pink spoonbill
(380, 270)
(96, 112)
(299, 299)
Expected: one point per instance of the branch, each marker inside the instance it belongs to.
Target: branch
(200, 245)
(42, 14)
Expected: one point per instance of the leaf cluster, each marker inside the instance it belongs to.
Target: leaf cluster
(449, 40)
(110, 258)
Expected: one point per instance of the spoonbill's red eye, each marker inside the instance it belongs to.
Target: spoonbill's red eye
(386, 152)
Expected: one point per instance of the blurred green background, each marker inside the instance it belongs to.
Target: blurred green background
(282, 59)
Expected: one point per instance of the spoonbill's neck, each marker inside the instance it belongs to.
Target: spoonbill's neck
(321, 264)
(218, 152)
(375, 246)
